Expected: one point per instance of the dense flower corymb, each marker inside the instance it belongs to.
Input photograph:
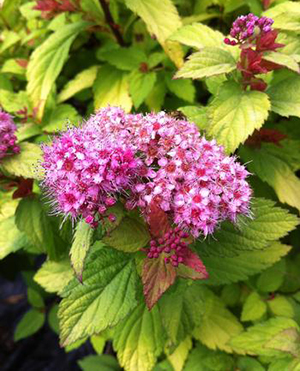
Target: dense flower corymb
(255, 36)
(7, 135)
(151, 159)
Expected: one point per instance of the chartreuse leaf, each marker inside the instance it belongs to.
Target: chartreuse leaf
(285, 96)
(82, 80)
(217, 324)
(34, 222)
(130, 236)
(254, 308)
(30, 323)
(272, 165)
(54, 276)
(47, 61)
(106, 296)
(162, 20)
(11, 239)
(234, 114)
(181, 310)
(139, 339)
(271, 338)
(210, 61)
(203, 359)
(13, 102)
(140, 85)
(178, 357)
(286, 16)
(25, 163)
(111, 87)
(80, 247)
(283, 59)
(98, 343)
(198, 36)
(96, 363)
(93, 8)
(249, 364)
(281, 306)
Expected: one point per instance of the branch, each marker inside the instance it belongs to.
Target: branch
(113, 26)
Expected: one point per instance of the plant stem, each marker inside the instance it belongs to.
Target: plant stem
(113, 26)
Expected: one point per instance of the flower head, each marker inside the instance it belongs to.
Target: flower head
(7, 135)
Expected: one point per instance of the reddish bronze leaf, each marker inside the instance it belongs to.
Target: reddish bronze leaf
(157, 277)
(158, 221)
(192, 267)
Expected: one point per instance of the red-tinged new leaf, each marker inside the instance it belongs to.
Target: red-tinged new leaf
(192, 267)
(157, 277)
(158, 221)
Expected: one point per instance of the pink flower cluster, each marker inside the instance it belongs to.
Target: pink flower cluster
(149, 159)
(7, 135)
(84, 174)
(246, 27)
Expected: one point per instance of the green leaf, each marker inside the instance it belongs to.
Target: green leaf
(181, 310)
(162, 20)
(286, 16)
(198, 36)
(156, 97)
(195, 114)
(225, 269)
(234, 114)
(97, 363)
(130, 236)
(183, 89)
(111, 87)
(203, 359)
(80, 247)
(93, 8)
(27, 131)
(24, 164)
(217, 325)
(282, 59)
(34, 298)
(261, 338)
(249, 364)
(138, 340)
(272, 278)
(140, 85)
(126, 59)
(285, 96)
(34, 222)
(47, 61)
(30, 323)
(54, 276)
(254, 308)
(81, 81)
(210, 61)
(60, 117)
(280, 306)
(273, 165)
(105, 298)
(53, 319)
(98, 343)
(11, 239)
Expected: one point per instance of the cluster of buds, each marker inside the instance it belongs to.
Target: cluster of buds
(173, 245)
(147, 160)
(8, 139)
(50, 8)
(255, 36)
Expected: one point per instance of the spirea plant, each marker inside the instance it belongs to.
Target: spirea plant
(149, 179)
